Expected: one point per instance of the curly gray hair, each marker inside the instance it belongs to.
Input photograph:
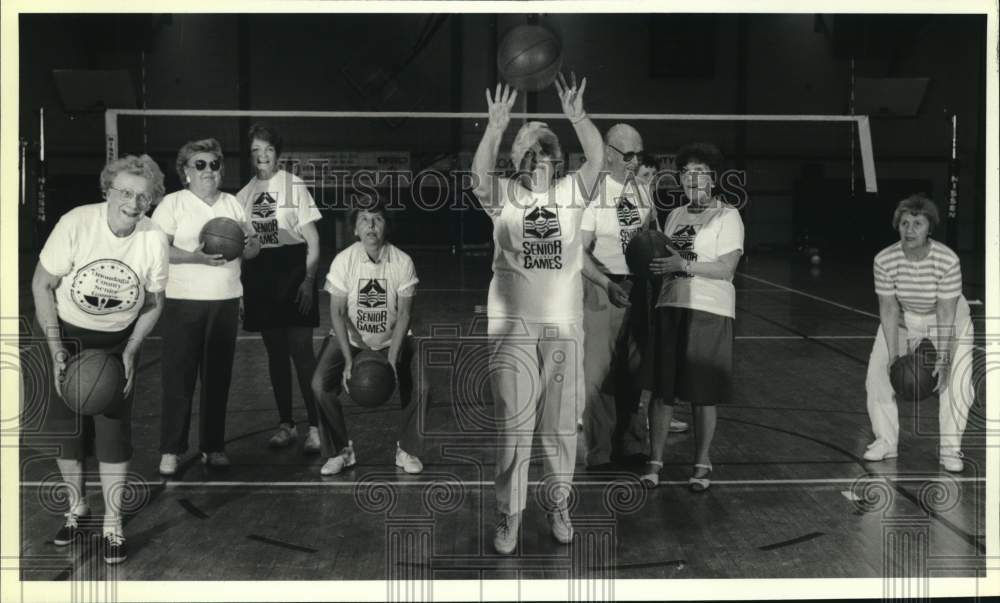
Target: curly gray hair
(143, 165)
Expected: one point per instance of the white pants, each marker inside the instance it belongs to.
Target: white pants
(536, 375)
(957, 397)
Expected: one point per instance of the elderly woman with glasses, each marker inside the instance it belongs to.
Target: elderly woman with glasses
(918, 282)
(202, 307)
(99, 285)
(535, 304)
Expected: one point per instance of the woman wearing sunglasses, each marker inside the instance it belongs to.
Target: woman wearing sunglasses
(99, 285)
(202, 307)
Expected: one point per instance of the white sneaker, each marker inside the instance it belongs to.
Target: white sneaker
(407, 462)
(677, 426)
(505, 534)
(285, 435)
(951, 460)
(168, 464)
(312, 445)
(562, 528)
(336, 464)
(880, 451)
(215, 459)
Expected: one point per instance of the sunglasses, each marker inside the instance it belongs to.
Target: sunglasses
(626, 157)
(128, 195)
(201, 164)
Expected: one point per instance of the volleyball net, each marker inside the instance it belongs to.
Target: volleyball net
(421, 161)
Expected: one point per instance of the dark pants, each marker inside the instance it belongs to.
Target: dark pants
(199, 339)
(295, 343)
(326, 385)
(108, 435)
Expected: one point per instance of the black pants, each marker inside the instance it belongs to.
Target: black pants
(326, 384)
(199, 339)
(108, 435)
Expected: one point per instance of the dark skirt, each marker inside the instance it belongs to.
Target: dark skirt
(270, 283)
(693, 357)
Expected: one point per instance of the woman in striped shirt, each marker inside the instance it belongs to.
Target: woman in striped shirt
(919, 286)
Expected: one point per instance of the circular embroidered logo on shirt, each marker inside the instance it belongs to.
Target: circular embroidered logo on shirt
(105, 287)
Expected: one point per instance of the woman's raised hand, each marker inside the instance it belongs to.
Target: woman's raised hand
(500, 104)
(571, 97)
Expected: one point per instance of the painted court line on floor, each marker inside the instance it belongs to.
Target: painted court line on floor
(749, 337)
(809, 295)
(480, 484)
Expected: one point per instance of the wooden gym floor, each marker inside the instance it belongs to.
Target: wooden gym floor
(791, 495)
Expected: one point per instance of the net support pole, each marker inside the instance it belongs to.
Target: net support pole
(867, 153)
(951, 231)
(111, 135)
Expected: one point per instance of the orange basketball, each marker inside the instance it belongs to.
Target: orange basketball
(529, 57)
(93, 382)
(372, 380)
(912, 376)
(223, 236)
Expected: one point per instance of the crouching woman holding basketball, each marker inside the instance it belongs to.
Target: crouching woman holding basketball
(371, 286)
(99, 285)
(919, 286)
(202, 307)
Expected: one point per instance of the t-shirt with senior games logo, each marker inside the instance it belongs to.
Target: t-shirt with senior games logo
(538, 254)
(617, 213)
(277, 208)
(104, 277)
(372, 290)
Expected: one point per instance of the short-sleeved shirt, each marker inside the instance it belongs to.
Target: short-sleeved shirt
(918, 285)
(538, 253)
(372, 290)
(278, 208)
(104, 277)
(182, 216)
(615, 215)
(703, 236)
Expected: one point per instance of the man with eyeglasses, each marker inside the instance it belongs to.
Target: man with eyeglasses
(620, 208)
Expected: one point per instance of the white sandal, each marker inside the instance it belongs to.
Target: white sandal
(700, 484)
(651, 478)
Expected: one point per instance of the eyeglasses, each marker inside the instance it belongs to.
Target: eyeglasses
(201, 164)
(535, 158)
(626, 157)
(141, 198)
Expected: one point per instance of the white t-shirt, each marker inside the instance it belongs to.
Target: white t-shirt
(182, 216)
(615, 215)
(104, 277)
(707, 235)
(372, 290)
(538, 253)
(278, 208)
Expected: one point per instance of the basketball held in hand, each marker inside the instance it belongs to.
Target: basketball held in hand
(644, 248)
(223, 236)
(93, 382)
(529, 57)
(912, 375)
(372, 379)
